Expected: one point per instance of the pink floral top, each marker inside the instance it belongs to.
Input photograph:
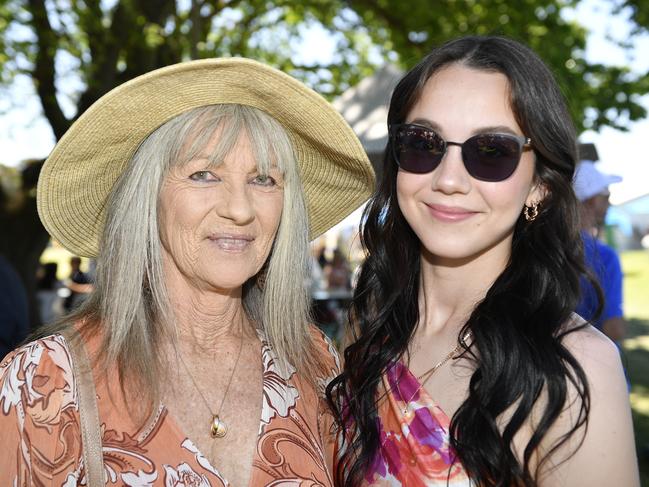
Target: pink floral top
(41, 440)
(414, 445)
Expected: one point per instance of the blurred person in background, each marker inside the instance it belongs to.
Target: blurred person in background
(50, 302)
(79, 285)
(338, 271)
(591, 188)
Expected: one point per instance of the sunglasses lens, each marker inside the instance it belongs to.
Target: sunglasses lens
(491, 157)
(417, 149)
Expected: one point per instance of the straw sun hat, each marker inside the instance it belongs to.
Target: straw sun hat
(81, 170)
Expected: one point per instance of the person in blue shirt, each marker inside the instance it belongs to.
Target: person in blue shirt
(591, 188)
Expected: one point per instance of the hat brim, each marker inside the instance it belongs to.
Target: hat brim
(80, 172)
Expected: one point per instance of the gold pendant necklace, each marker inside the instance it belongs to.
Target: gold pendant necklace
(218, 427)
(423, 377)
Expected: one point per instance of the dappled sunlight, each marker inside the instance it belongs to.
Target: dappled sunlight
(640, 399)
(635, 265)
(638, 342)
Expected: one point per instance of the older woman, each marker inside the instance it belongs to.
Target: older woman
(197, 187)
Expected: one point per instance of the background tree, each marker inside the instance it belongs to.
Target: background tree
(639, 13)
(598, 95)
(74, 51)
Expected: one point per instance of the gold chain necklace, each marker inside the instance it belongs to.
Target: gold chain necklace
(218, 427)
(423, 377)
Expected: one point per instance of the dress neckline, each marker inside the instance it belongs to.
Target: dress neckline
(190, 445)
(407, 393)
(161, 412)
(415, 446)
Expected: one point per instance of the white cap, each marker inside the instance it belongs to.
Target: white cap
(589, 182)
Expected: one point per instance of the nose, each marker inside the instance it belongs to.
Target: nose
(237, 205)
(451, 176)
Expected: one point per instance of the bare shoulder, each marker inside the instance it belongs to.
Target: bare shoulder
(603, 452)
(597, 355)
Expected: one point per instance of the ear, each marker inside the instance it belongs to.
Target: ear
(537, 193)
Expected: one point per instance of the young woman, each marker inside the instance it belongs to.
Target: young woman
(468, 365)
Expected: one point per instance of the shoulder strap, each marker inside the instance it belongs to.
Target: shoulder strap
(88, 413)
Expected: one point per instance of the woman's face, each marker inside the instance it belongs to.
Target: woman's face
(455, 216)
(218, 224)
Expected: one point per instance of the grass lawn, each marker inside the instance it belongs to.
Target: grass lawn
(636, 349)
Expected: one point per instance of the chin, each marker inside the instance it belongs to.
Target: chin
(455, 254)
(226, 283)
(437, 253)
(453, 248)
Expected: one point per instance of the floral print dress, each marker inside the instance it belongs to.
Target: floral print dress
(41, 439)
(414, 438)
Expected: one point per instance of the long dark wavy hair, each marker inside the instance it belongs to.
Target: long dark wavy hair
(519, 325)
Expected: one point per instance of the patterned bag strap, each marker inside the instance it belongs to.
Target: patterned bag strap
(93, 460)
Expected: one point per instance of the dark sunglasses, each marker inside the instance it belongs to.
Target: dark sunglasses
(487, 157)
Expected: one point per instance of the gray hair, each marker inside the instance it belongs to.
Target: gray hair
(130, 305)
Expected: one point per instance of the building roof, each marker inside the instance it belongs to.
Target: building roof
(365, 107)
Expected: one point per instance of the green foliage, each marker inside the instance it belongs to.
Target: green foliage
(598, 95)
(95, 45)
(639, 12)
(99, 44)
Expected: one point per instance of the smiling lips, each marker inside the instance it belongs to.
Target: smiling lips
(450, 213)
(231, 242)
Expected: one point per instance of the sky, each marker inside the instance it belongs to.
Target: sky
(24, 133)
(621, 153)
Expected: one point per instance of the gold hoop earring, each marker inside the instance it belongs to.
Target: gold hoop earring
(531, 212)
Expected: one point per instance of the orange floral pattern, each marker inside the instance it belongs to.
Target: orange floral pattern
(41, 439)
(414, 438)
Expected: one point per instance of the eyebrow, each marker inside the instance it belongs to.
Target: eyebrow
(488, 129)
(210, 165)
(204, 160)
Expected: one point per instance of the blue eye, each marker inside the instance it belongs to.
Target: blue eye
(264, 180)
(203, 176)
